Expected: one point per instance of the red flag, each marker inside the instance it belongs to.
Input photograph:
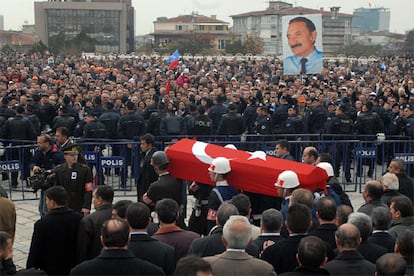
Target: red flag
(251, 171)
(173, 64)
(168, 87)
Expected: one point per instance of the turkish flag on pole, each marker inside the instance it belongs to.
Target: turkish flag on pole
(250, 171)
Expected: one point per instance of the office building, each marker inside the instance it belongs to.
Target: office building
(108, 23)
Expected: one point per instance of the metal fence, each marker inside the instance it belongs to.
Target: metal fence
(116, 162)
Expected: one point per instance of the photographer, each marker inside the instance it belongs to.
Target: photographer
(46, 157)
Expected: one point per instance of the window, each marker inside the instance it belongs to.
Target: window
(222, 44)
(181, 27)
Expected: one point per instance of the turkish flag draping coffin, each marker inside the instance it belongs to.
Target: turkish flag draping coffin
(252, 172)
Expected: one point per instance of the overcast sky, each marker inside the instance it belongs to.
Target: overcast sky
(16, 12)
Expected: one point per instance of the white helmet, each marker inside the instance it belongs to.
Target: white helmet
(230, 146)
(327, 167)
(287, 180)
(220, 165)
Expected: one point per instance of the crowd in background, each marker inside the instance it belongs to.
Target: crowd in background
(124, 98)
(269, 102)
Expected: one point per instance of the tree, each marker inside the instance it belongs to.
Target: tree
(235, 47)
(195, 43)
(38, 47)
(254, 45)
(7, 49)
(358, 49)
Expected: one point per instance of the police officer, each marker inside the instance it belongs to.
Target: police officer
(130, 126)
(155, 118)
(342, 125)
(280, 115)
(5, 111)
(64, 119)
(368, 123)
(263, 124)
(19, 129)
(166, 186)
(172, 124)
(202, 123)
(231, 123)
(76, 178)
(409, 117)
(317, 117)
(294, 123)
(94, 130)
(110, 119)
(398, 121)
(250, 115)
(216, 112)
(33, 118)
(219, 170)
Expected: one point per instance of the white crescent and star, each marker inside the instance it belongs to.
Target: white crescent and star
(199, 151)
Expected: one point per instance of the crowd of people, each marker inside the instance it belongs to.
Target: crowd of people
(255, 96)
(139, 99)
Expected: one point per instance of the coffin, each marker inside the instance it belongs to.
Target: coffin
(253, 172)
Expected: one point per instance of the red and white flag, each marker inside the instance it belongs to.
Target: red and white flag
(253, 172)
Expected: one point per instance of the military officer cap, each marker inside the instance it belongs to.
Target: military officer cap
(71, 149)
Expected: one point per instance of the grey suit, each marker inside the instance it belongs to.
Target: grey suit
(238, 263)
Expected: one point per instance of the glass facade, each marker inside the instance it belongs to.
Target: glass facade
(101, 26)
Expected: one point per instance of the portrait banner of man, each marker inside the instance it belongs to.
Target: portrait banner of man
(302, 44)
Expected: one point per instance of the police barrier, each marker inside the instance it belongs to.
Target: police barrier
(347, 155)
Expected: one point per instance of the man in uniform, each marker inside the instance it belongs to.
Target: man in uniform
(166, 186)
(76, 178)
(219, 170)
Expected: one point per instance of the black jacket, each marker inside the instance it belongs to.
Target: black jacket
(147, 175)
(116, 262)
(371, 251)
(53, 246)
(18, 128)
(327, 233)
(64, 120)
(261, 239)
(283, 254)
(216, 113)
(153, 251)
(306, 270)
(350, 263)
(406, 185)
(383, 239)
(110, 119)
(131, 126)
(231, 124)
(89, 243)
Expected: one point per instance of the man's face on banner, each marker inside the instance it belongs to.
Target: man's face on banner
(300, 40)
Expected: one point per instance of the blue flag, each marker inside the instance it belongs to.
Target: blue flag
(174, 56)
